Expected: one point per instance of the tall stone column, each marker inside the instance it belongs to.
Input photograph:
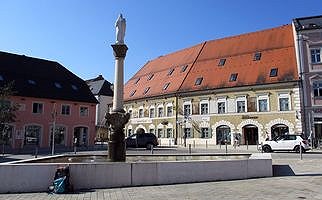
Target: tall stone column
(117, 119)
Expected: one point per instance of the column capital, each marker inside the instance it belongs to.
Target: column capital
(119, 50)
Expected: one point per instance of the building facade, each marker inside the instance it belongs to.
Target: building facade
(49, 97)
(308, 41)
(103, 92)
(244, 87)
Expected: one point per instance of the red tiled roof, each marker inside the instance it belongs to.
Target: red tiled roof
(277, 51)
(160, 68)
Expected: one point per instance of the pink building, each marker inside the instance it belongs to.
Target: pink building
(48, 95)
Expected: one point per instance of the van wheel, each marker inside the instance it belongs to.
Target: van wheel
(267, 149)
(149, 146)
(297, 149)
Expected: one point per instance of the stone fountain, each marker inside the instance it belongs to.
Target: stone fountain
(117, 119)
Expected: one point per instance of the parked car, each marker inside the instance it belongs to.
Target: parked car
(147, 140)
(286, 143)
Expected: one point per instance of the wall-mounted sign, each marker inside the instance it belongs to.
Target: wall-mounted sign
(249, 117)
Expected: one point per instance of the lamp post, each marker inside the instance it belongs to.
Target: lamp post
(5, 128)
(54, 115)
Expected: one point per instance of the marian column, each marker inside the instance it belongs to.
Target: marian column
(117, 119)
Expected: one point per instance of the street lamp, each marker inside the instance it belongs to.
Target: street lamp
(5, 128)
(53, 115)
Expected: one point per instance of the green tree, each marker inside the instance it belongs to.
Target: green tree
(7, 111)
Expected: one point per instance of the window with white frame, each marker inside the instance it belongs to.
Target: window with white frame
(263, 103)
(241, 104)
(204, 107)
(284, 102)
(317, 88)
(37, 108)
(316, 55)
(169, 132)
(187, 132)
(169, 111)
(205, 133)
(83, 111)
(187, 108)
(160, 111)
(130, 112)
(160, 132)
(152, 114)
(65, 109)
(129, 132)
(141, 113)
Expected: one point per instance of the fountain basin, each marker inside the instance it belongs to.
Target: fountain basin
(33, 177)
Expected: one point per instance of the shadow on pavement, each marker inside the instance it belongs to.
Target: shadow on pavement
(8, 159)
(282, 170)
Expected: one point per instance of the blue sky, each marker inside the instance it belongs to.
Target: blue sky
(78, 33)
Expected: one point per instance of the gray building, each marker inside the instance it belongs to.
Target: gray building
(308, 44)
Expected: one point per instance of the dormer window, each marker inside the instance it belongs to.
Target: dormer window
(146, 90)
(198, 81)
(166, 86)
(273, 72)
(222, 62)
(150, 76)
(132, 93)
(233, 77)
(57, 85)
(170, 72)
(74, 87)
(257, 56)
(32, 82)
(137, 80)
(183, 68)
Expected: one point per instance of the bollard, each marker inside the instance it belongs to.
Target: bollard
(226, 147)
(36, 152)
(319, 147)
(169, 142)
(206, 144)
(189, 148)
(262, 147)
(256, 144)
(74, 149)
(219, 145)
(151, 149)
(301, 151)
(194, 144)
(247, 144)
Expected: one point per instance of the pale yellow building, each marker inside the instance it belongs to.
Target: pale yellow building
(243, 88)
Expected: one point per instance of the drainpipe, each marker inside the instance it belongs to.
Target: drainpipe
(307, 128)
(176, 136)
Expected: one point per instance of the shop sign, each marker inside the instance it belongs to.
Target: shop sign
(249, 117)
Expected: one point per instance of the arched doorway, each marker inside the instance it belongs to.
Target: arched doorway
(222, 134)
(250, 135)
(6, 133)
(81, 136)
(60, 135)
(32, 135)
(279, 129)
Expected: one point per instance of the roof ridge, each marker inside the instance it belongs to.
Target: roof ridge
(29, 57)
(250, 33)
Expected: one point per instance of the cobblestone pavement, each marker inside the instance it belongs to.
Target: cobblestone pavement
(301, 179)
(296, 179)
